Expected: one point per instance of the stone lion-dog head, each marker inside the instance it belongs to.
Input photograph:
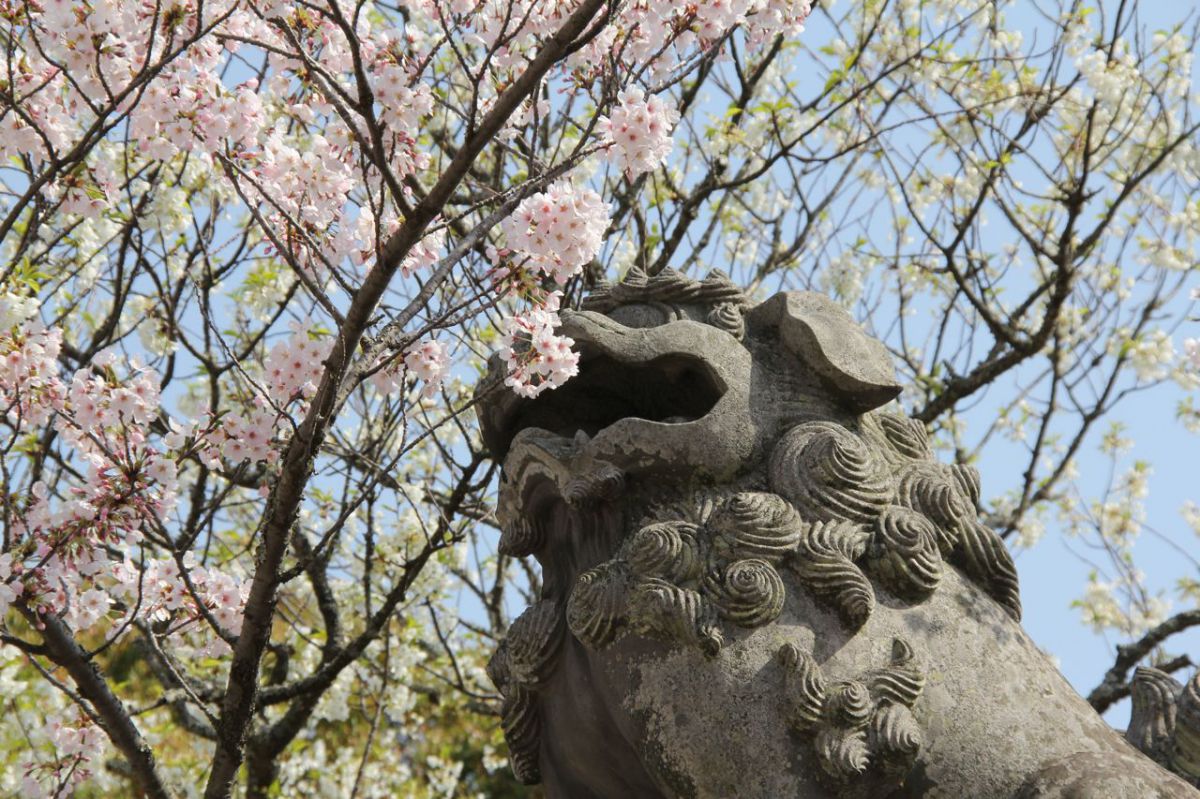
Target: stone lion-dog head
(753, 579)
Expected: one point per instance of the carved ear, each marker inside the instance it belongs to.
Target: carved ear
(855, 367)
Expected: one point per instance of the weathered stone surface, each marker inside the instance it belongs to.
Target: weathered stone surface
(851, 364)
(756, 585)
(1165, 722)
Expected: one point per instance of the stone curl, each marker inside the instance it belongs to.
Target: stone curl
(520, 719)
(829, 473)
(603, 483)
(664, 610)
(670, 550)
(598, 604)
(907, 437)
(967, 478)
(1155, 695)
(905, 553)
(755, 524)
(843, 754)
(804, 688)
(930, 489)
(728, 317)
(849, 704)
(982, 555)
(901, 682)
(533, 643)
(521, 537)
(747, 592)
(825, 562)
(1185, 752)
(894, 734)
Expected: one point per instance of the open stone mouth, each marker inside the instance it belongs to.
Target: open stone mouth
(646, 401)
(661, 402)
(669, 389)
(562, 472)
(634, 384)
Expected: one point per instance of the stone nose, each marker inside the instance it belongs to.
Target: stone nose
(595, 332)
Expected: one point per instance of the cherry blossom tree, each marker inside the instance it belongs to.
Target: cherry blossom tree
(255, 253)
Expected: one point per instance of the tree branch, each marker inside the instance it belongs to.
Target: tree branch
(1115, 686)
(65, 651)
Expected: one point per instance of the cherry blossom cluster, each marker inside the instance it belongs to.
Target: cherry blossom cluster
(428, 361)
(537, 358)
(78, 562)
(105, 412)
(75, 56)
(249, 436)
(219, 118)
(558, 230)
(367, 233)
(159, 592)
(640, 131)
(294, 366)
(644, 31)
(315, 214)
(62, 545)
(554, 233)
(88, 193)
(304, 188)
(361, 238)
(777, 18)
(403, 102)
(1191, 353)
(29, 389)
(10, 587)
(425, 253)
(77, 742)
(292, 370)
(763, 20)
(65, 549)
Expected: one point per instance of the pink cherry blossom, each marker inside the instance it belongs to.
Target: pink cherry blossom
(429, 361)
(425, 253)
(537, 358)
(558, 230)
(640, 131)
(294, 364)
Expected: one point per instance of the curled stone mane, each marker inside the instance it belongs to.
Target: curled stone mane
(720, 500)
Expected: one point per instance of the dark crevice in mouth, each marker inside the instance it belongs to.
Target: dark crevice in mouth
(670, 389)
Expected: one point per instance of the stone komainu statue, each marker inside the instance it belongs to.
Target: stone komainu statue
(755, 584)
